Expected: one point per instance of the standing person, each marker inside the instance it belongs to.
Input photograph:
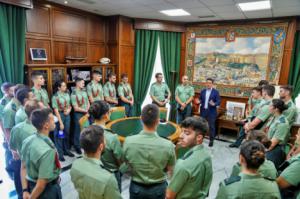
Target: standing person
(61, 104)
(23, 95)
(7, 90)
(88, 174)
(209, 101)
(285, 94)
(112, 156)
(249, 184)
(39, 92)
(40, 165)
(184, 95)
(94, 88)
(149, 156)
(193, 173)
(110, 94)
(159, 91)
(125, 94)
(81, 105)
(259, 118)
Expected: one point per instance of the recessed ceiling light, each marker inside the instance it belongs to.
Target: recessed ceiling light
(175, 12)
(256, 5)
(66, 2)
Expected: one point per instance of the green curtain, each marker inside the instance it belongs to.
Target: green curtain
(145, 53)
(294, 75)
(12, 43)
(170, 45)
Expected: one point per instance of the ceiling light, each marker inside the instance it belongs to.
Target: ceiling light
(257, 5)
(175, 12)
(66, 2)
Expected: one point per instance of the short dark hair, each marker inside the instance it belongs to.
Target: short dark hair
(39, 117)
(260, 136)
(210, 79)
(269, 89)
(78, 79)
(124, 75)
(22, 94)
(263, 82)
(288, 88)
(90, 138)
(30, 106)
(254, 154)
(198, 124)
(6, 86)
(98, 109)
(111, 75)
(157, 74)
(258, 89)
(150, 115)
(279, 104)
(96, 72)
(18, 87)
(35, 74)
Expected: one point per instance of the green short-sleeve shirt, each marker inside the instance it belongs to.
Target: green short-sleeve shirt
(267, 169)
(291, 174)
(291, 112)
(248, 187)
(95, 90)
(148, 155)
(159, 91)
(192, 175)
(124, 90)
(3, 102)
(21, 115)
(263, 112)
(184, 92)
(91, 180)
(9, 113)
(61, 101)
(79, 98)
(279, 129)
(41, 95)
(40, 157)
(110, 90)
(19, 133)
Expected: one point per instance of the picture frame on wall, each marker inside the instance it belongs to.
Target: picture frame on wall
(38, 54)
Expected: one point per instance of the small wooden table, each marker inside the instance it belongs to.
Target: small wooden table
(223, 122)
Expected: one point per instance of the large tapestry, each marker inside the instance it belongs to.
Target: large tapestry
(237, 57)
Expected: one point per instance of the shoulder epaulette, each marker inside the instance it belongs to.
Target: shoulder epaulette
(103, 167)
(282, 120)
(268, 178)
(232, 179)
(14, 107)
(109, 130)
(187, 155)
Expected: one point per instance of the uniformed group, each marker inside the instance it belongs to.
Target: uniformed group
(37, 138)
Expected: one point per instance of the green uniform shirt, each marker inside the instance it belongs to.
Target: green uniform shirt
(279, 129)
(110, 90)
(148, 155)
(95, 90)
(41, 95)
(21, 115)
(267, 169)
(91, 180)
(19, 133)
(3, 102)
(61, 101)
(291, 112)
(184, 92)
(192, 175)
(255, 107)
(40, 157)
(159, 91)
(248, 187)
(79, 98)
(124, 90)
(263, 112)
(9, 113)
(253, 102)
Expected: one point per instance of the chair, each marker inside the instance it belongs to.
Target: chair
(117, 112)
(163, 112)
(84, 122)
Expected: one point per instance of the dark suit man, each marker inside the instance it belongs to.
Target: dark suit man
(210, 100)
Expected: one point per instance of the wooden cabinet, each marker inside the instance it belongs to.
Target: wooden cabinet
(65, 72)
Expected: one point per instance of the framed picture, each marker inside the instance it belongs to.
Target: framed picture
(235, 110)
(38, 54)
(85, 75)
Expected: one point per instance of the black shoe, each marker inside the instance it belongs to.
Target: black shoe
(62, 159)
(68, 153)
(233, 145)
(78, 151)
(211, 143)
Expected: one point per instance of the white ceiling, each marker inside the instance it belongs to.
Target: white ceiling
(220, 9)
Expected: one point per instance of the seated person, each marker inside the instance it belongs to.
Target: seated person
(295, 149)
(267, 169)
(278, 132)
(249, 184)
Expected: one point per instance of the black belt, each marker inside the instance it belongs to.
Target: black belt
(148, 185)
